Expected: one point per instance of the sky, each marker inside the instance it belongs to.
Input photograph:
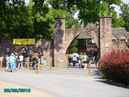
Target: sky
(116, 7)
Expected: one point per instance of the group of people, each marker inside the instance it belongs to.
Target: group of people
(82, 59)
(34, 59)
(15, 60)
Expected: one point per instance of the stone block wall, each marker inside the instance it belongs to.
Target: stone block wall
(59, 43)
(119, 45)
(105, 34)
(44, 45)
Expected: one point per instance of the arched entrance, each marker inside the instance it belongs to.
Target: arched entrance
(7, 50)
(24, 51)
(63, 37)
(82, 44)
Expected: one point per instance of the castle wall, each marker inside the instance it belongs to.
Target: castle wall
(119, 45)
(45, 47)
(105, 34)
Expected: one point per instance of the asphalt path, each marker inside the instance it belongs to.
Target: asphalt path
(65, 82)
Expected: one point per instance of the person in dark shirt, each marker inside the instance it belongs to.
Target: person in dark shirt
(39, 56)
(30, 56)
(34, 59)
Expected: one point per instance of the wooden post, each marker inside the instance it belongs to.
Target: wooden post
(28, 67)
(1, 63)
(50, 66)
(89, 68)
(38, 69)
(98, 69)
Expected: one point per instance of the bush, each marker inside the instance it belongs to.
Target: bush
(115, 66)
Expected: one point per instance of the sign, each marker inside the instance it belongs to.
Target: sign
(24, 41)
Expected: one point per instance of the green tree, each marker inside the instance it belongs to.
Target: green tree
(89, 10)
(69, 20)
(125, 14)
(9, 16)
(73, 48)
(63, 5)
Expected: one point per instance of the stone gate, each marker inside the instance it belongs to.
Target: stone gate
(101, 34)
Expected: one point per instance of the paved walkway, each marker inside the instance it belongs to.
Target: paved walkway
(62, 82)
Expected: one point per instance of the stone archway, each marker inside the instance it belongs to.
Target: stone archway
(23, 50)
(63, 37)
(90, 33)
(7, 49)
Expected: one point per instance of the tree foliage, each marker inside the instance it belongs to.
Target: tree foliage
(125, 14)
(73, 48)
(37, 17)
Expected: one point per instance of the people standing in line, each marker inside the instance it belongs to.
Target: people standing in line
(34, 59)
(38, 55)
(42, 61)
(7, 61)
(12, 62)
(69, 58)
(80, 59)
(20, 61)
(74, 60)
(85, 57)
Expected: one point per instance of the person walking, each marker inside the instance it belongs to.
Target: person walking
(80, 59)
(74, 60)
(85, 60)
(69, 58)
(12, 62)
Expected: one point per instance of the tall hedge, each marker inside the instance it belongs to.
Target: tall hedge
(115, 66)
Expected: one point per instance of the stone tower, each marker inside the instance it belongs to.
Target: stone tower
(59, 42)
(105, 34)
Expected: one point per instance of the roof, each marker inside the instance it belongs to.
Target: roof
(82, 35)
(89, 25)
(117, 32)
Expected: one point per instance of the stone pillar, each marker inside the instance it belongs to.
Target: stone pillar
(105, 34)
(59, 42)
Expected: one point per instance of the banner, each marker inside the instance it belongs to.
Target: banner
(24, 41)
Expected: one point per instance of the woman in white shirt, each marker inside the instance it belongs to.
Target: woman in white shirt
(74, 60)
(20, 60)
